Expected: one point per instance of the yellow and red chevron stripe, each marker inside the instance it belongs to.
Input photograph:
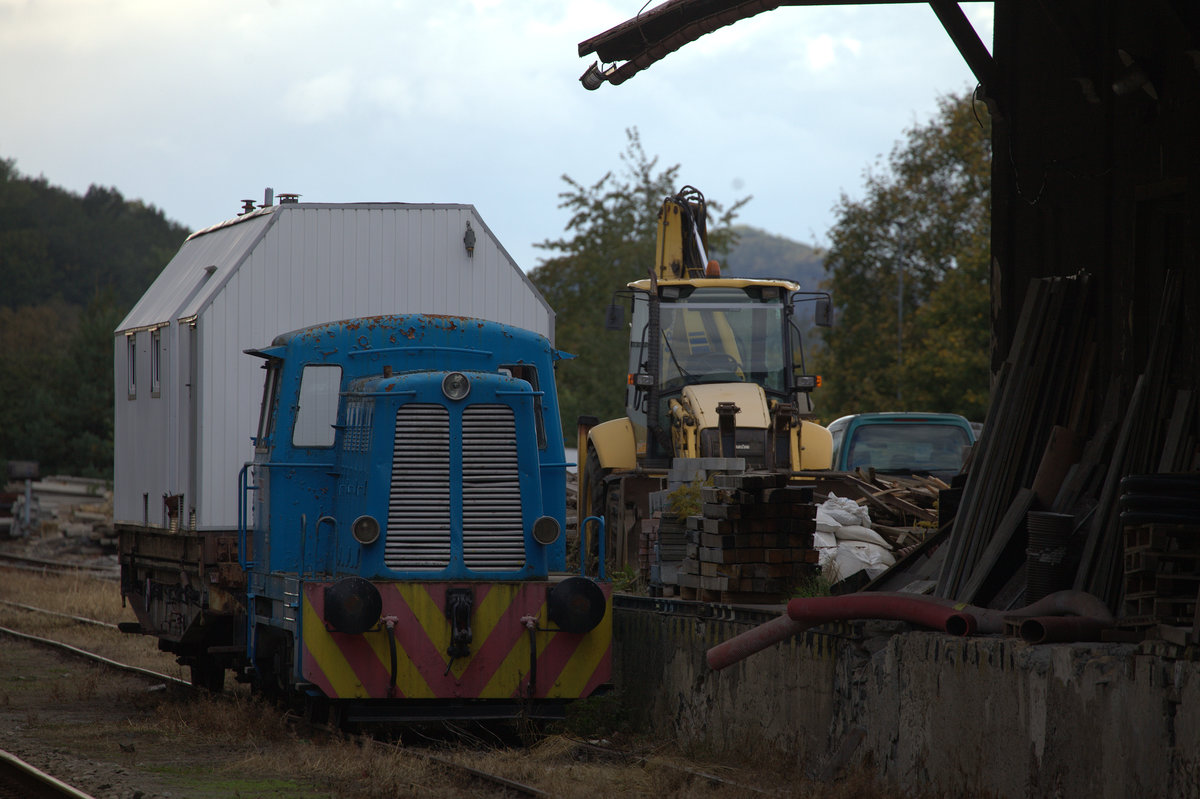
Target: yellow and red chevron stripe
(569, 665)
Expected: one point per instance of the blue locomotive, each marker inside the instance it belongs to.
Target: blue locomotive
(401, 546)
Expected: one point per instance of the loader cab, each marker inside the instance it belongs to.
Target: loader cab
(709, 332)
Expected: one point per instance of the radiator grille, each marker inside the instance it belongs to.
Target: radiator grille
(418, 526)
(493, 532)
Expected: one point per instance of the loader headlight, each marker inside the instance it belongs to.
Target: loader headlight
(546, 530)
(365, 530)
(352, 605)
(456, 386)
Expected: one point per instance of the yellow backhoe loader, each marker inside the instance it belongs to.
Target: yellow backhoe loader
(716, 370)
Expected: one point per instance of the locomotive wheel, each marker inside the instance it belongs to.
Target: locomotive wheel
(208, 673)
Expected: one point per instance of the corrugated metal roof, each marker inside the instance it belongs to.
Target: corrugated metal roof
(187, 279)
(189, 282)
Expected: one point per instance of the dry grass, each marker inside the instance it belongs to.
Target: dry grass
(79, 595)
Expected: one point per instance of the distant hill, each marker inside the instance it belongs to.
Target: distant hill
(55, 244)
(762, 254)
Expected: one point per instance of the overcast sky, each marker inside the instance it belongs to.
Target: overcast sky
(192, 105)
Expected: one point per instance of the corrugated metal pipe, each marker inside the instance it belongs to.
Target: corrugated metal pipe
(1056, 629)
(948, 615)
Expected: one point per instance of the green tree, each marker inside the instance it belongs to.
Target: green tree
(84, 387)
(33, 340)
(70, 267)
(610, 242)
(908, 271)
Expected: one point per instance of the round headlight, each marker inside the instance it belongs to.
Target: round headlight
(352, 606)
(365, 529)
(576, 605)
(546, 530)
(456, 386)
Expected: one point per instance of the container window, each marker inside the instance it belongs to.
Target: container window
(155, 362)
(131, 363)
(318, 402)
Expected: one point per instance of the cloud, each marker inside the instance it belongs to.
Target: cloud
(821, 52)
(318, 99)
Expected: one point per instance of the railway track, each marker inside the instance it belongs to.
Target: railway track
(93, 657)
(28, 563)
(20, 780)
(494, 781)
(460, 768)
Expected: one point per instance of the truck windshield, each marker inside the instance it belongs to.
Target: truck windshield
(908, 448)
(721, 335)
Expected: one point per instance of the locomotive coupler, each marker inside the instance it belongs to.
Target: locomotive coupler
(459, 603)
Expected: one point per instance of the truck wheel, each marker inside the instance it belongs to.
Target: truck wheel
(605, 500)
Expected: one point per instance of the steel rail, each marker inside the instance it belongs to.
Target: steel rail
(27, 563)
(651, 760)
(496, 779)
(83, 653)
(81, 619)
(28, 782)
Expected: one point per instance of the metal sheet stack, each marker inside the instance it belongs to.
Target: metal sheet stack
(753, 541)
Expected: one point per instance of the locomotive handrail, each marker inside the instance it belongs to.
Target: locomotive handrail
(375, 352)
(583, 547)
(289, 465)
(244, 488)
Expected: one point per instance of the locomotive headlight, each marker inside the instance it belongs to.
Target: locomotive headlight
(576, 605)
(365, 530)
(456, 386)
(546, 530)
(352, 605)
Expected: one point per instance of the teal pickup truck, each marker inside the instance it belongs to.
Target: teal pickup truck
(902, 443)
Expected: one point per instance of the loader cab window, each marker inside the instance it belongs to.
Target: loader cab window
(270, 398)
(528, 373)
(316, 413)
(723, 335)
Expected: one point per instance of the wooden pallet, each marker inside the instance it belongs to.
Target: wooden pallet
(1162, 575)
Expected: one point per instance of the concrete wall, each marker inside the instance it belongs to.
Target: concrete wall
(931, 712)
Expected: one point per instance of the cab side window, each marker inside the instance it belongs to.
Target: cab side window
(316, 413)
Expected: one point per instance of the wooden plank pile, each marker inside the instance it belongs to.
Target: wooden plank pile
(753, 541)
(1050, 443)
(1042, 383)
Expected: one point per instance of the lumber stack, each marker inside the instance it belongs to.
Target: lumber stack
(752, 543)
(1043, 382)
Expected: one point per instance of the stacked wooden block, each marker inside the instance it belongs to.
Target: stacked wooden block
(1162, 574)
(752, 544)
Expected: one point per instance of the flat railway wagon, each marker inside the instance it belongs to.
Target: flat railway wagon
(400, 553)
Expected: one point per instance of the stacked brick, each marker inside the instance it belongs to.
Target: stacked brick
(753, 542)
(663, 545)
(1162, 574)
